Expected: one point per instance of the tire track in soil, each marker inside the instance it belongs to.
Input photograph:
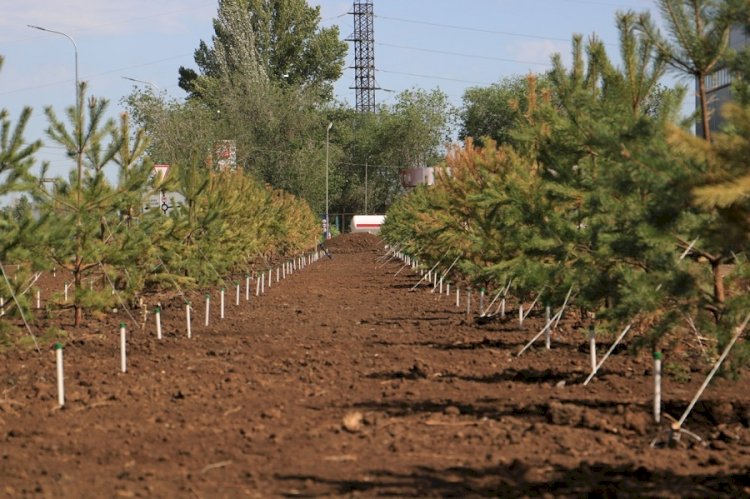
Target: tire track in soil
(255, 405)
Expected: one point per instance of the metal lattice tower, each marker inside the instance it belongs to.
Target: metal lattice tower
(364, 55)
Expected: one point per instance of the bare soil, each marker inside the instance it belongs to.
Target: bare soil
(340, 381)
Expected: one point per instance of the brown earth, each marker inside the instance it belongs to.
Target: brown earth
(339, 381)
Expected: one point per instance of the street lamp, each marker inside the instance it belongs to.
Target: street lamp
(75, 47)
(78, 110)
(156, 87)
(328, 222)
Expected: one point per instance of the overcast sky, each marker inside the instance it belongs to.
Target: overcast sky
(446, 44)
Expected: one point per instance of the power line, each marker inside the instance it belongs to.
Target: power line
(467, 28)
(476, 30)
(602, 4)
(96, 75)
(433, 77)
(459, 54)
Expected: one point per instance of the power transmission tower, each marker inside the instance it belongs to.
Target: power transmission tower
(364, 56)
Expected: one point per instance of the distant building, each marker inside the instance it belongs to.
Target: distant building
(719, 85)
(412, 177)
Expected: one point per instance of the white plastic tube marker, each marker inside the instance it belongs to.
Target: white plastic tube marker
(187, 319)
(66, 291)
(157, 313)
(237, 295)
(60, 376)
(123, 349)
(592, 347)
(38, 299)
(657, 387)
(257, 287)
(208, 306)
(609, 352)
(221, 310)
(247, 287)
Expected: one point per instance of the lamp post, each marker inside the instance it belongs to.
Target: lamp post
(78, 98)
(79, 137)
(75, 47)
(151, 83)
(328, 222)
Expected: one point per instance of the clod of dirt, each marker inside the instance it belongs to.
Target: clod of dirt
(564, 414)
(271, 414)
(726, 434)
(452, 410)
(723, 412)
(352, 422)
(637, 422)
(718, 445)
(42, 390)
(419, 370)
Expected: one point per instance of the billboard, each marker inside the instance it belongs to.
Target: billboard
(225, 155)
(412, 177)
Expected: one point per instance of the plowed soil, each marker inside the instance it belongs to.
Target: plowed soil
(340, 381)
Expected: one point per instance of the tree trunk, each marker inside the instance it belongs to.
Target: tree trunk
(703, 99)
(719, 294)
(76, 302)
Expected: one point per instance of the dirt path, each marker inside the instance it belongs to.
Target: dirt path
(341, 382)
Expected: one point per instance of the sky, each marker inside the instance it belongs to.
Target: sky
(451, 45)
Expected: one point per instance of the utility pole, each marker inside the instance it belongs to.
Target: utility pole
(364, 56)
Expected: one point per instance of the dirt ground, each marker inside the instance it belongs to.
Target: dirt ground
(339, 381)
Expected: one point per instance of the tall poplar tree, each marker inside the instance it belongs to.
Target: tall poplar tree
(284, 37)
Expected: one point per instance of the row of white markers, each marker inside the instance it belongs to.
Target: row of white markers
(262, 280)
(437, 280)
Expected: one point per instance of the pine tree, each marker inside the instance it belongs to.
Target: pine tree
(698, 39)
(18, 223)
(86, 230)
(614, 186)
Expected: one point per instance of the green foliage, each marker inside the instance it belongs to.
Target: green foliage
(228, 224)
(8, 335)
(589, 195)
(413, 132)
(269, 40)
(16, 158)
(696, 41)
(495, 111)
(85, 225)
(677, 372)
